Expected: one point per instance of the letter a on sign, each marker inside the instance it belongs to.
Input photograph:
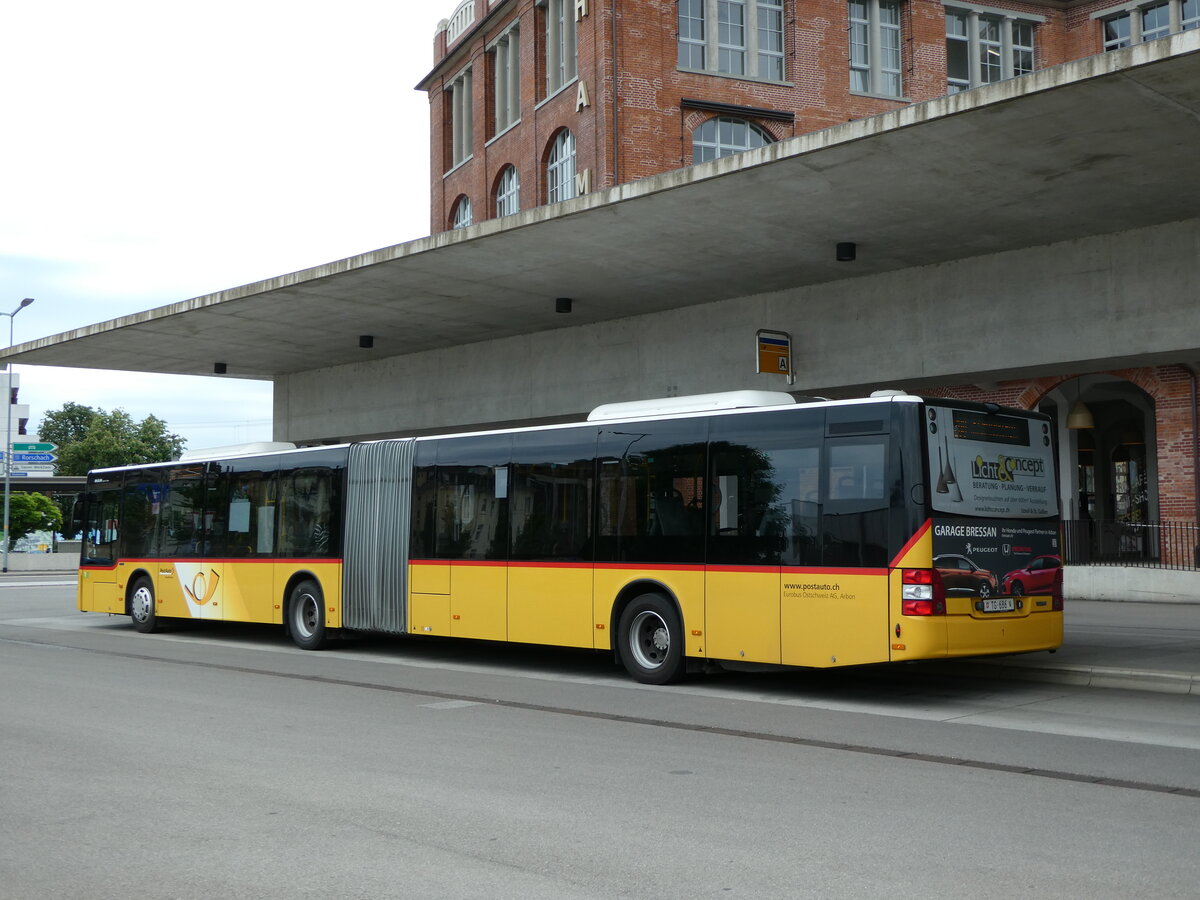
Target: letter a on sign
(775, 353)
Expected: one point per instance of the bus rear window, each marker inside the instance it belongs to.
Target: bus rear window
(989, 464)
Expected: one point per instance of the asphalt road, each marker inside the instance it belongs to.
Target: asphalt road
(219, 761)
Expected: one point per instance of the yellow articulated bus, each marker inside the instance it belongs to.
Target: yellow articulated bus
(743, 526)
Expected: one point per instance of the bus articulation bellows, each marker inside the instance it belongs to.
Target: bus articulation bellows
(744, 527)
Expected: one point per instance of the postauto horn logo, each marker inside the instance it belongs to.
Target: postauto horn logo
(1007, 468)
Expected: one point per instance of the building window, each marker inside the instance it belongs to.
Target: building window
(875, 47)
(691, 34)
(462, 212)
(983, 48)
(506, 75)
(1145, 23)
(770, 39)
(732, 37)
(560, 44)
(508, 192)
(462, 135)
(724, 137)
(560, 168)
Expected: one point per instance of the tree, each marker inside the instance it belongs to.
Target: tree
(90, 438)
(30, 512)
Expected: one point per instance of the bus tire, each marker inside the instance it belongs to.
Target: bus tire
(306, 615)
(141, 606)
(651, 640)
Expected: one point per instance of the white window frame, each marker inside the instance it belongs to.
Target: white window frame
(731, 40)
(508, 192)
(462, 113)
(1133, 14)
(878, 38)
(560, 168)
(690, 19)
(506, 78)
(1007, 47)
(722, 148)
(463, 215)
(562, 49)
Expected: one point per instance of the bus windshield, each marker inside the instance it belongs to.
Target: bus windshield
(991, 465)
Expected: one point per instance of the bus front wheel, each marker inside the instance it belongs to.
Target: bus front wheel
(141, 606)
(306, 615)
(651, 637)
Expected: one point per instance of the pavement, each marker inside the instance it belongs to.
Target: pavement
(1136, 646)
(1133, 646)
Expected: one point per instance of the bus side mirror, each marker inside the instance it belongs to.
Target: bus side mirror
(77, 516)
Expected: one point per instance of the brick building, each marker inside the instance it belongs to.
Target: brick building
(537, 101)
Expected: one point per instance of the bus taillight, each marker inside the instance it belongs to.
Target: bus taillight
(1056, 591)
(923, 594)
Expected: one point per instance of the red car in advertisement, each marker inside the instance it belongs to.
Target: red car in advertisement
(1037, 577)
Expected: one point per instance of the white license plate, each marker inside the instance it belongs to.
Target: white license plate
(998, 604)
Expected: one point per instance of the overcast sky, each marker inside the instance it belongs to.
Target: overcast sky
(156, 151)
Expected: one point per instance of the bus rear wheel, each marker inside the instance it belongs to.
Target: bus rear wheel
(141, 606)
(306, 615)
(651, 640)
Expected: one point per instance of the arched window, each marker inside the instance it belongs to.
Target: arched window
(560, 168)
(462, 212)
(508, 192)
(724, 137)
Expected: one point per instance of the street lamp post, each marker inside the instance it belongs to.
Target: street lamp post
(8, 405)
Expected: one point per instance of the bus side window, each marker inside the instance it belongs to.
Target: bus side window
(248, 499)
(550, 490)
(855, 514)
(766, 485)
(310, 507)
(183, 511)
(424, 503)
(472, 497)
(652, 494)
(100, 530)
(141, 504)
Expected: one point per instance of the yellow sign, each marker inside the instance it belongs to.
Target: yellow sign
(775, 353)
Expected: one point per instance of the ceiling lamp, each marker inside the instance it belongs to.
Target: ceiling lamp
(1080, 417)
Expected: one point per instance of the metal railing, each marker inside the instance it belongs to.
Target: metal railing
(1148, 545)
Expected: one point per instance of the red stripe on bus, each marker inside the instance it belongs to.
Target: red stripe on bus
(233, 559)
(841, 570)
(771, 569)
(912, 541)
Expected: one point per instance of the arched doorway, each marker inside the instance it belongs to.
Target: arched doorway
(1106, 433)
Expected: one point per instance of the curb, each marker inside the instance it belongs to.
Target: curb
(1088, 676)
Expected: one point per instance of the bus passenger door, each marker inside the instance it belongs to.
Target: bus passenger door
(98, 570)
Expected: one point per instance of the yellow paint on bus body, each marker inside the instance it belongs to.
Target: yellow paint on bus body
(684, 583)
(230, 590)
(742, 614)
(478, 601)
(834, 617)
(550, 604)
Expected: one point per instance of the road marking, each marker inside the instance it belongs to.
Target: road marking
(450, 704)
(448, 700)
(29, 584)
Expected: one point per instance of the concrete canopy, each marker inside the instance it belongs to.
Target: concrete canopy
(1090, 147)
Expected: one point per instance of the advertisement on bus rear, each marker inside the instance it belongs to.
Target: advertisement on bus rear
(995, 558)
(990, 465)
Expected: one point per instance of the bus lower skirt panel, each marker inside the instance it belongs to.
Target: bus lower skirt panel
(375, 574)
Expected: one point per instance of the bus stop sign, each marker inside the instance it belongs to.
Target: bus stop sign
(775, 353)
